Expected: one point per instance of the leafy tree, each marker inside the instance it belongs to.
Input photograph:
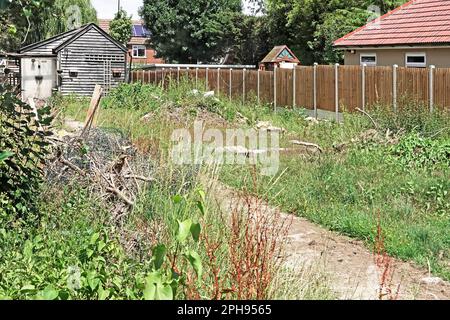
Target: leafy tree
(121, 27)
(334, 26)
(26, 21)
(191, 31)
(310, 27)
(69, 14)
(251, 42)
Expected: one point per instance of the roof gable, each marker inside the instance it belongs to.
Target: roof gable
(83, 31)
(52, 42)
(417, 22)
(280, 53)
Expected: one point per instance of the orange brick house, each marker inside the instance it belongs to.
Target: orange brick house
(139, 45)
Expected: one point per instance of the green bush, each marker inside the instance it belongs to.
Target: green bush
(23, 149)
(414, 150)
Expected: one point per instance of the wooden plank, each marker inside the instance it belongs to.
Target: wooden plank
(93, 107)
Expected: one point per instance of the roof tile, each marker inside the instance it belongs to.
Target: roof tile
(415, 22)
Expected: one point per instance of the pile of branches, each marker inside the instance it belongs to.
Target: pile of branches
(106, 164)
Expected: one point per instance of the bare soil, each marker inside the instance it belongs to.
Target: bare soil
(350, 267)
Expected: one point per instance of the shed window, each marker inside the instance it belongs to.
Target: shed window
(416, 60)
(369, 59)
(139, 52)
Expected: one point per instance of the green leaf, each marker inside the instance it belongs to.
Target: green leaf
(27, 287)
(177, 199)
(102, 294)
(196, 263)
(28, 249)
(195, 231)
(183, 229)
(94, 238)
(50, 293)
(201, 207)
(164, 292)
(151, 281)
(5, 155)
(159, 253)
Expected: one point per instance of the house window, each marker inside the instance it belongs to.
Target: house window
(416, 60)
(139, 52)
(369, 59)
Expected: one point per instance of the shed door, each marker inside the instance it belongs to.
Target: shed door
(38, 77)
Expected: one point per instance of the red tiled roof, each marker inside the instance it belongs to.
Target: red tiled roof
(104, 24)
(417, 22)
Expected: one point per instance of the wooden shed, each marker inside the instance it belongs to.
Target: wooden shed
(281, 57)
(72, 63)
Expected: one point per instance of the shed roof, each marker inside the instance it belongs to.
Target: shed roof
(280, 53)
(417, 22)
(60, 41)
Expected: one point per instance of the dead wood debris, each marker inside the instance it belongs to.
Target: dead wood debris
(106, 164)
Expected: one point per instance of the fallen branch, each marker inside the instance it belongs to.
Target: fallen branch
(142, 178)
(120, 195)
(72, 166)
(307, 144)
(369, 116)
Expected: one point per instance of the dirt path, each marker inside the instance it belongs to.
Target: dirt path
(347, 263)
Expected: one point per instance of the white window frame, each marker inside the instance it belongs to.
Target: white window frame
(369, 64)
(137, 47)
(415, 64)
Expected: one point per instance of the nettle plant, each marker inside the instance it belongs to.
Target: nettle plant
(24, 146)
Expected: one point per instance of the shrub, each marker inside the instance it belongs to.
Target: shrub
(414, 150)
(23, 148)
(411, 116)
(133, 96)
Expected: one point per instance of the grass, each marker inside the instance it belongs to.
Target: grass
(76, 251)
(343, 191)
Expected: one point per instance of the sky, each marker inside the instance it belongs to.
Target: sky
(106, 9)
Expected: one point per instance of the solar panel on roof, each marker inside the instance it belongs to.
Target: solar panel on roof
(138, 31)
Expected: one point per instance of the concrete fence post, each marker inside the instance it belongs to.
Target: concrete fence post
(243, 85)
(363, 86)
(336, 90)
(206, 78)
(431, 87)
(275, 88)
(196, 78)
(315, 89)
(218, 81)
(163, 77)
(294, 87)
(394, 86)
(258, 86)
(230, 84)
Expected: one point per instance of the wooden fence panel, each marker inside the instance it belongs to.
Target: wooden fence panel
(326, 88)
(379, 85)
(350, 88)
(442, 88)
(266, 86)
(413, 84)
(251, 84)
(284, 87)
(304, 87)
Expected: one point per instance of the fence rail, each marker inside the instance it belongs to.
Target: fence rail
(325, 87)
